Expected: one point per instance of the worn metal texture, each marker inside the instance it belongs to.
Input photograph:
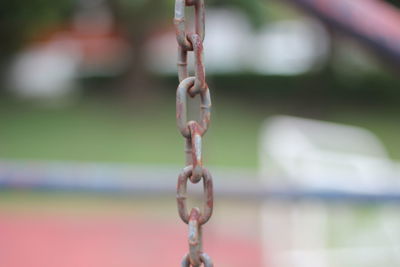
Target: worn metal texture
(208, 198)
(196, 153)
(200, 77)
(205, 259)
(200, 82)
(180, 25)
(181, 108)
(193, 131)
(195, 237)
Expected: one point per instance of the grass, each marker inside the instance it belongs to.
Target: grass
(105, 131)
(95, 131)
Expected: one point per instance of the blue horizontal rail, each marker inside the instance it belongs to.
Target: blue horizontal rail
(143, 181)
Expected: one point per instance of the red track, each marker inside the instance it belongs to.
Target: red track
(50, 241)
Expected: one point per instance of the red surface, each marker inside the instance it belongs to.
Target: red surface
(27, 241)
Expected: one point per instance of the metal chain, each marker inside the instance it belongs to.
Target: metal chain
(193, 131)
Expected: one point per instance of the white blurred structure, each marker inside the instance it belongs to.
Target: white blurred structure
(303, 154)
(286, 47)
(46, 71)
(89, 46)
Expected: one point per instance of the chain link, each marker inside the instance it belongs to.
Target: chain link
(207, 199)
(179, 21)
(193, 131)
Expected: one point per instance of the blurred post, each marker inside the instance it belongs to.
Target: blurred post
(302, 154)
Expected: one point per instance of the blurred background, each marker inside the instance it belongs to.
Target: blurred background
(303, 144)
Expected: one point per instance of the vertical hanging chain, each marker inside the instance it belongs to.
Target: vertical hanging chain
(193, 131)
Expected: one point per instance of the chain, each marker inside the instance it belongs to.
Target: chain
(193, 131)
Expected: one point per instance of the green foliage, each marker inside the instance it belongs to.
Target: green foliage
(254, 9)
(131, 10)
(22, 20)
(394, 2)
(111, 130)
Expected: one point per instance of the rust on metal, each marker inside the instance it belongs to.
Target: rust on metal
(193, 131)
(200, 82)
(195, 238)
(196, 153)
(179, 21)
(205, 259)
(181, 108)
(181, 195)
(182, 64)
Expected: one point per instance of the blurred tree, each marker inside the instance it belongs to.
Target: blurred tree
(254, 9)
(138, 20)
(141, 18)
(21, 21)
(394, 2)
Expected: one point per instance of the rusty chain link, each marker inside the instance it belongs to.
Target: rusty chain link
(193, 131)
(208, 195)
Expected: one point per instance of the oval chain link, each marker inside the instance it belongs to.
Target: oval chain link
(180, 25)
(181, 108)
(205, 259)
(181, 195)
(193, 131)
